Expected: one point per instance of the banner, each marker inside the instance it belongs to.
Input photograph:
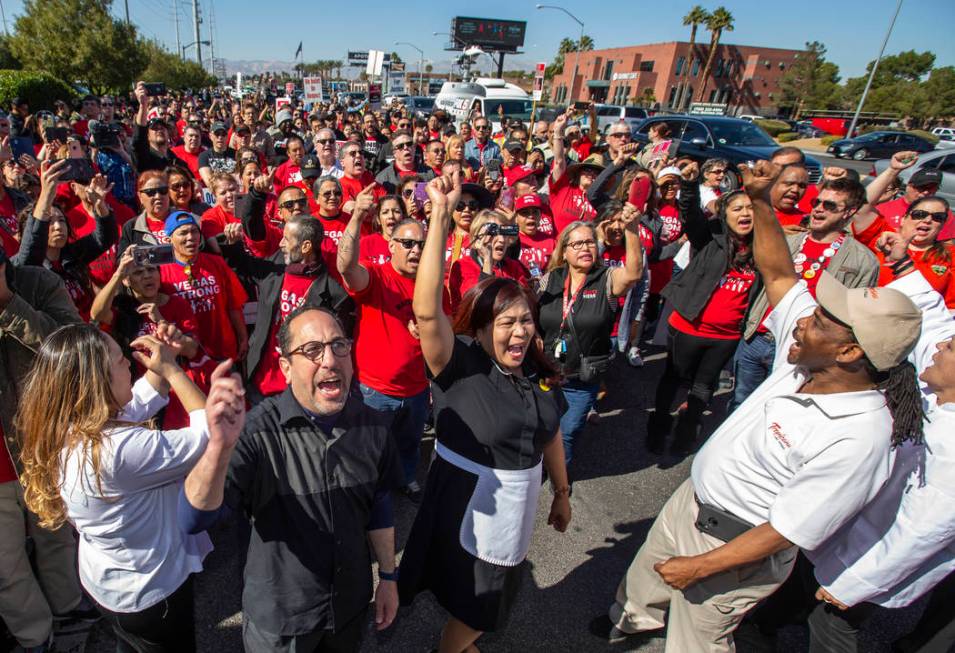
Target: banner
(376, 59)
(374, 93)
(396, 83)
(313, 89)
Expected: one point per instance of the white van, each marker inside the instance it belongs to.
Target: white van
(611, 114)
(485, 94)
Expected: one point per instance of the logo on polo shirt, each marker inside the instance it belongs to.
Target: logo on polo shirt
(939, 269)
(589, 294)
(777, 432)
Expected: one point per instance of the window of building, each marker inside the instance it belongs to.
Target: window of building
(646, 66)
(671, 99)
(608, 71)
(679, 65)
(720, 65)
(695, 69)
(713, 95)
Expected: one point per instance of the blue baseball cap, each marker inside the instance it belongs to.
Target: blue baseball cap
(178, 219)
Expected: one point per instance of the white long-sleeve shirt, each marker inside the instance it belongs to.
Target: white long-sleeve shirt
(132, 553)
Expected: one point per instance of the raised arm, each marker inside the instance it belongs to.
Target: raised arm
(93, 197)
(434, 327)
(347, 260)
(623, 278)
(770, 250)
(36, 230)
(867, 214)
(559, 164)
(695, 225)
(102, 309)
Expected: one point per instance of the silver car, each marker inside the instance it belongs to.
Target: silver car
(941, 160)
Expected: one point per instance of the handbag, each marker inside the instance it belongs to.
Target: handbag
(591, 367)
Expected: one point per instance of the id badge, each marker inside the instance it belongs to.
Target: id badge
(560, 349)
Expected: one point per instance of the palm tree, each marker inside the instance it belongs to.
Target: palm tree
(338, 63)
(719, 21)
(694, 18)
(586, 43)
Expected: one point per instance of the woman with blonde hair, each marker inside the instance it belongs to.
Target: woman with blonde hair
(455, 150)
(90, 458)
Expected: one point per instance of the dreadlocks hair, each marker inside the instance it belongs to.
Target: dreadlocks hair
(904, 400)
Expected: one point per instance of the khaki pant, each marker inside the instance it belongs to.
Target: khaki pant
(703, 616)
(27, 601)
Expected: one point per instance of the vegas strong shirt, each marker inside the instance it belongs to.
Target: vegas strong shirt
(212, 289)
(268, 377)
(387, 356)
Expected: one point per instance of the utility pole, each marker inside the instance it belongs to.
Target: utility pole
(3, 15)
(196, 20)
(175, 9)
(875, 67)
(212, 35)
(126, 2)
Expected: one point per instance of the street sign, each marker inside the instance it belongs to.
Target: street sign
(376, 58)
(539, 71)
(313, 89)
(539, 81)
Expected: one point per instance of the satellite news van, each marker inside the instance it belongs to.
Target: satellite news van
(485, 94)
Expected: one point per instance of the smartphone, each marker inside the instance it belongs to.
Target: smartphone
(639, 192)
(78, 170)
(581, 106)
(154, 89)
(56, 134)
(493, 168)
(507, 199)
(508, 230)
(155, 255)
(21, 145)
(420, 193)
(75, 149)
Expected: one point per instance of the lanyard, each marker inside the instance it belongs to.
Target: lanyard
(568, 300)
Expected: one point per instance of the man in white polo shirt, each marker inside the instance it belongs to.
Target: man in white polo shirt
(802, 455)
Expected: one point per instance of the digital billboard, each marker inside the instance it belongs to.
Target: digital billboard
(488, 33)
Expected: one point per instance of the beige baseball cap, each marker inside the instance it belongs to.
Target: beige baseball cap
(885, 322)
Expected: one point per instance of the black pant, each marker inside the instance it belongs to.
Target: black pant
(344, 639)
(167, 627)
(695, 360)
(935, 631)
(831, 630)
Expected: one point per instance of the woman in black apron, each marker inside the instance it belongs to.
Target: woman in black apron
(497, 415)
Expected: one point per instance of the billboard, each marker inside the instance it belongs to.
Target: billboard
(488, 33)
(360, 58)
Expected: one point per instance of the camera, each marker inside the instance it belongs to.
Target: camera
(495, 229)
(104, 135)
(156, 255)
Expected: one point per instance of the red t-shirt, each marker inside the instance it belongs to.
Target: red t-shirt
(81, 296)
(287, 174)
(936, 270)
(464, 248)
(387, 355)
(213, 291)
(268, 376)
(158, 229)
(722, 316)
(466, 273)
(662, 271)
(351, 187)
(892, 211)
(812, 251)
(9, 226)
(191, 160)
(805, 203)
(374, 249)
(582, 148)
(789, 218)
(615, 256)
(536, 251)
(214, 222)
(568, 203)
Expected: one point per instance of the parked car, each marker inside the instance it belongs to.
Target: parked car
(749, 117)
(944, 131)
(945, 142)
(941, 160)
(807, 130)
(608, 114)
(734, 139)
(391, 97)
(419, 106)
(878, 144)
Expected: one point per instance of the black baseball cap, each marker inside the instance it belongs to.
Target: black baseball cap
(514, 144)
(157, 122)
(310, 167)
(925, 177)
(218, 127)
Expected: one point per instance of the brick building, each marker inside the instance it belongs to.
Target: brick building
(745, 78)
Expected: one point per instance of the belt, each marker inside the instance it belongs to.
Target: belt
(719, 523)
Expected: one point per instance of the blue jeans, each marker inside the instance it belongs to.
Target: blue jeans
(580, 397)
(751, 365)
(407, 425)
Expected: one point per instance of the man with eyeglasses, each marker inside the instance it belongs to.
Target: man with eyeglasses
(481, 149)
(390, 365)
(356, 177)
(312, 469)
(404, 164)
(325, 147)
(827, 245)
(923, 183)
(151, 148)
(434, 157)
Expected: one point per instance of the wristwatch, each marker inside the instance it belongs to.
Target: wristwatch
(388, 575)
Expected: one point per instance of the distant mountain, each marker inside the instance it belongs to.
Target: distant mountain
(256, 66)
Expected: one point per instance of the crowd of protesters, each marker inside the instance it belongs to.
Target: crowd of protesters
(211, 306)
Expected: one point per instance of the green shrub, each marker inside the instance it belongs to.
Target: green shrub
(40, 89)
(773, 127)
(785, 137)
(831, 138)
(921, 133)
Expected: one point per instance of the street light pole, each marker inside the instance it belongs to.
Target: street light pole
(573, 80)
(420, 62)
(875, 66)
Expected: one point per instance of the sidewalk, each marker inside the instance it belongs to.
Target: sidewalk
(807, 144)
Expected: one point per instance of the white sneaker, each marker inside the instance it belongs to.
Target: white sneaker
(633, 357)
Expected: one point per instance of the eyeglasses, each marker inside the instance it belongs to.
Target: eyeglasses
(315, 350)
(107, 103)
(404, 145)
(472, 205)
(409, 243)
(921, 214)
(827, 205)
(578, 245)
(180, 185)
(153, 192)
(617, 134)
(331, 193)
(353, 153)
(325, 141)
(717, 171)
(482, 127)
(288, 205)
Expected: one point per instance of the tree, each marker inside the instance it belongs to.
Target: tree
(567, 45)
(172, 70)
(694, 18)
(811, 82)
(428, 68)
(904, 84)
(7, 60)
(719, 21)
(78, 41)
(396, 58)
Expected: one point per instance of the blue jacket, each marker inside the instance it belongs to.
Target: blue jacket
(477, 159)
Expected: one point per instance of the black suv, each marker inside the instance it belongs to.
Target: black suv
(719, 137)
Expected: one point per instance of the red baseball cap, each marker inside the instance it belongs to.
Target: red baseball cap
(517, 174)
(532, 200)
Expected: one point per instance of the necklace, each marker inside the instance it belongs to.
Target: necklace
(808, 269)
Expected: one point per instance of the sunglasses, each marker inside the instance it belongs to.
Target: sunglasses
(717, 171)
(472, 205)
(827, 205)
(178, 186)
(288, 205)
(315, 350)
(402, 146)
(409, 243)
(332, 193)
(921, 214)
(482, 127)
(153, 192)
(325, 141)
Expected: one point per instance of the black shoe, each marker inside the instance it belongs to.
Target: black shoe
(413, 492)
(658, 427)
(685, 434)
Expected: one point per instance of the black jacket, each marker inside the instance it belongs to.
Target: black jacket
(691, 289)
(147, 158)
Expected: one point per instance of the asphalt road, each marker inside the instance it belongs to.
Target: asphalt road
(569, 578)
(862, 167)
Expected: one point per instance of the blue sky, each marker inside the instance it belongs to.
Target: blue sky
(851, 29)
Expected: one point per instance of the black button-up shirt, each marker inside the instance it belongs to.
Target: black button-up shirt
(308, 491)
